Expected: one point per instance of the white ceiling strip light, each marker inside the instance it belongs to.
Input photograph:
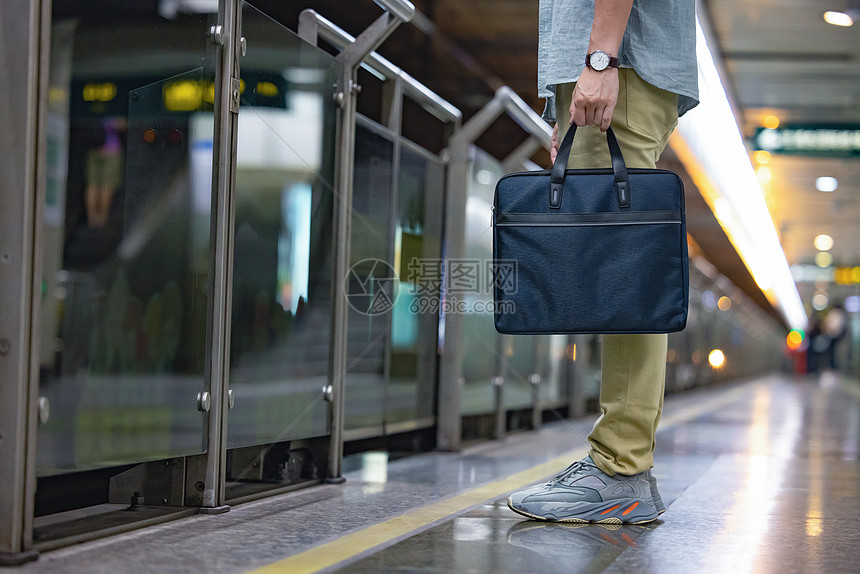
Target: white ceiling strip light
(709, 144)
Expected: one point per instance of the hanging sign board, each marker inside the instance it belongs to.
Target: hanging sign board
(814, 140)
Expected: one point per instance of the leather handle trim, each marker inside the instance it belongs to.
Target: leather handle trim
(619, 170)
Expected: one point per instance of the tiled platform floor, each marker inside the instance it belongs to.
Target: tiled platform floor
(759, 477)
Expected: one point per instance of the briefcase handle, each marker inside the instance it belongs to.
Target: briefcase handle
(619, 168)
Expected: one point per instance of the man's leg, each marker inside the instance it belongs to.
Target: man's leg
(633, 366)
(614, 483)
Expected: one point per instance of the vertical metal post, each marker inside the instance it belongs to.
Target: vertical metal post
(350, 58)
(449, 430)
(449, 419)
(500, 426)
(342, 217)
(24, 41)
(537, 404)
(450, 371)
(578, 375)
(392, 114)
(221, 258)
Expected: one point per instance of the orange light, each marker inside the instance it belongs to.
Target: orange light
(716, 358)
(149, 135)
(724, 303)
(770, 122)
(794, 340)
(761, 157)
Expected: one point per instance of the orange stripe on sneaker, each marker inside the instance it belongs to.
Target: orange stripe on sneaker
(626, 512)
(611, 509)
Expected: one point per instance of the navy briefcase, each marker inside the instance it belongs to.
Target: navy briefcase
(590, 250)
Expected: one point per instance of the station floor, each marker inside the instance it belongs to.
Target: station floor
(761, 476)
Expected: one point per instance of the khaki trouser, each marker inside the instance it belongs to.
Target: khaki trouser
(633, 366)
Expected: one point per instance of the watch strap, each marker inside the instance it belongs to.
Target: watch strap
(613, 61)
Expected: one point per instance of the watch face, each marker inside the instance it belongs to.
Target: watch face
(599, 60)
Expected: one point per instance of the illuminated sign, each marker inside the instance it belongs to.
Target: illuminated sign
(814, 273)
(183, 95)
(267, 89)
(99, 92)
(186, 94)
(837, 140)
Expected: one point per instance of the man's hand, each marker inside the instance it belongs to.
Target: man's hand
(595, 94)
(594, 98)
(553, 148)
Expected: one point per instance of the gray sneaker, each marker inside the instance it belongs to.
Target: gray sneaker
(654, 494)
(584, 493)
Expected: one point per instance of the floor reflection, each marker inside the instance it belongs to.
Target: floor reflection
(550, 537)
(766, 483)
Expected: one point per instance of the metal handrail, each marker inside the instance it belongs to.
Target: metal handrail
(403, 9)
(526, 117)
(330, 32)
(506, 100)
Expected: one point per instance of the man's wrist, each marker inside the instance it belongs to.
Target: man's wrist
(599, 60)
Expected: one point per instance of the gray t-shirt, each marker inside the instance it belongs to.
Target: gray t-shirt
(659, 43)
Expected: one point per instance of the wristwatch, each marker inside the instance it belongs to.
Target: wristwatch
(599, 60)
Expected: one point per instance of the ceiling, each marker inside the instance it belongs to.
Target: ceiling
(780, 58)
(783, 59)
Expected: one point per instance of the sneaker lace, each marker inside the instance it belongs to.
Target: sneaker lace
(570, 471)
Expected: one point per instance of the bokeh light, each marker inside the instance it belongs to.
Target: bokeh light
(716, 358)
(794, 339)
(823, 242)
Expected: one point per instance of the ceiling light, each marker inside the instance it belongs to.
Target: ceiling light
(761, 157)
(838, 18)
(823, 259)
(770, 122)
(484, 177)
(826, 184)
(764, 174)
(708, 142)
(823, 242)
(820, 300)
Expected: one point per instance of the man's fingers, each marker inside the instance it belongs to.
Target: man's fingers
(590, 113)
(607, 118)
(578, 116)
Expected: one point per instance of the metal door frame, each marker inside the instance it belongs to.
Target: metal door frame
(24, 41)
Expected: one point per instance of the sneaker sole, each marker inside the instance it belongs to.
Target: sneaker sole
(602, 508)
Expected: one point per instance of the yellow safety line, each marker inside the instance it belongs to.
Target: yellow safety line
(345, 547)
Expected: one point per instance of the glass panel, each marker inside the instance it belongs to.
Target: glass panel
(411, 390)
(283, 229)
(552, 353)
(482, 345)
(369, 317)
(540, 355)
(521, 362)
(125, 257)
